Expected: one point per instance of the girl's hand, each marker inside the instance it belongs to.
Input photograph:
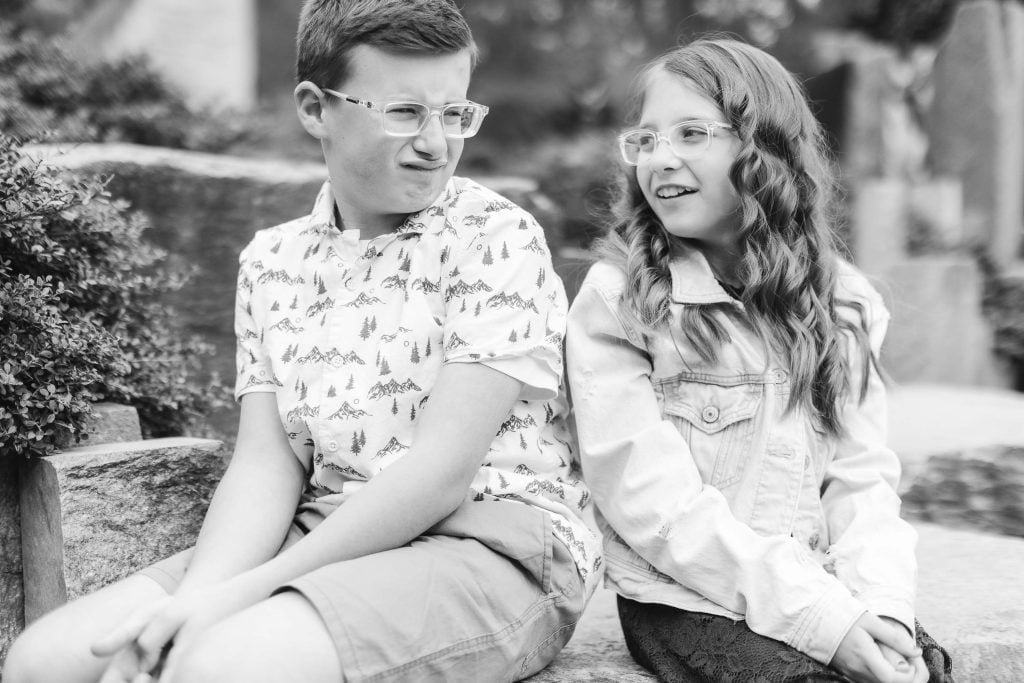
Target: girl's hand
(898, 661)
(860, 655)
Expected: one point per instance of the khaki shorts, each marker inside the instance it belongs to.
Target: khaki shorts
(487, 594)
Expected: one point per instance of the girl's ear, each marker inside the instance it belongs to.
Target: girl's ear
(309, 105)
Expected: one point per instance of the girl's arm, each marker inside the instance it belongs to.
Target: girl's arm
(872, 548)
(647, 485)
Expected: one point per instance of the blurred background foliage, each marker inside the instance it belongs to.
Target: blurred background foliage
(555, 73)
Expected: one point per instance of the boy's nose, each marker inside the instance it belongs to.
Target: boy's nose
(431, 140)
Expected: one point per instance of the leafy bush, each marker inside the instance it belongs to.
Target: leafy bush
(81, 317)
(47, 92)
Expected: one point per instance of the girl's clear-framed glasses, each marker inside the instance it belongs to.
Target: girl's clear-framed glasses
(688, 140)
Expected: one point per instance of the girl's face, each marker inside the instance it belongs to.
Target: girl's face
(693, 198)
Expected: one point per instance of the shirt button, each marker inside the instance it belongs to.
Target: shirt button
(336, 362)
(710, 413)
(332, 446)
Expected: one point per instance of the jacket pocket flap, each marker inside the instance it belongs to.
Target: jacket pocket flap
(711, 408)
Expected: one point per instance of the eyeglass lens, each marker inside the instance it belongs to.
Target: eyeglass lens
(687, 140)
(409, 118)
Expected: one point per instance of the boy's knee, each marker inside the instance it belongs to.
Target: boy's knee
(27, 660)
(214, 658)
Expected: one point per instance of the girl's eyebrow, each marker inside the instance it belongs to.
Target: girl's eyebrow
(683, 119)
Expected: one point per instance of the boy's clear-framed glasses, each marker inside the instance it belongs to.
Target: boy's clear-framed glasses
(688, 140)
(408, 119)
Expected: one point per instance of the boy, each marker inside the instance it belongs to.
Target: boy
(402, 503)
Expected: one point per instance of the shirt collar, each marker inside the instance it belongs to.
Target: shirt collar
(693, 281)
(322, 216)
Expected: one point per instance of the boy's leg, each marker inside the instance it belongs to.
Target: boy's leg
(55, 649)
(455, 605)
(280, 639)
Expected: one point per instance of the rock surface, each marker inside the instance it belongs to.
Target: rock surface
(96, 514)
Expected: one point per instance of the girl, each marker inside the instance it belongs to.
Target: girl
(723, 361)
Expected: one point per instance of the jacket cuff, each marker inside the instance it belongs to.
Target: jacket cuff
(889, 604)
(827, 623)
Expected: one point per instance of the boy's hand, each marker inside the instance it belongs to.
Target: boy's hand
(861, 657)
(142, 645)
(129, 663)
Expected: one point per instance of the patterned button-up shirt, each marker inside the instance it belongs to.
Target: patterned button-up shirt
(351, 336)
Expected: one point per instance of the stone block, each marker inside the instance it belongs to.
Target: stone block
(971, 600)
(93, 515)
(935, 219)
(204, 209)
(976, 121)
(112, 423)
(12, 596)
(937, 332)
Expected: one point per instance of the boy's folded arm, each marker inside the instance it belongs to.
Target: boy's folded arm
(467, 406)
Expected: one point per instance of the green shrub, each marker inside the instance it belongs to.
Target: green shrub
(47, 92)
(81, 318)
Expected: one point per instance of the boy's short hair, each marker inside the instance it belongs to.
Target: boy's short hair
(329, 29)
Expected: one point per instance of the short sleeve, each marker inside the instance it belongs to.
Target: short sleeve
(253, 368)
(505, 306)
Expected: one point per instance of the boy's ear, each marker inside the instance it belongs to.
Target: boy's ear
(309, 105)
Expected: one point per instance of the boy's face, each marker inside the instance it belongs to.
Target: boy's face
(379, 179)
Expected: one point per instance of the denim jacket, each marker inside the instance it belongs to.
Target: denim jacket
(711, 497)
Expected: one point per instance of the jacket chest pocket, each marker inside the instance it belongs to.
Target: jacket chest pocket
(718, 422)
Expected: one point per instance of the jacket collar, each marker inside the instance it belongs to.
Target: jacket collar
(693, 281)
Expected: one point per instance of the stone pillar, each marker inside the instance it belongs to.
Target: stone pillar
(976, 123)
(878, 223)
(207, 50)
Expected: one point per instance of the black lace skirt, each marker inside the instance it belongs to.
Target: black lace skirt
(692, 647)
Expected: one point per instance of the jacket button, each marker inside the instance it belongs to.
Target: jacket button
(710, 414)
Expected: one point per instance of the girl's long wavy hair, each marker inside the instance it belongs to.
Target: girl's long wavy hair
(791, 256)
